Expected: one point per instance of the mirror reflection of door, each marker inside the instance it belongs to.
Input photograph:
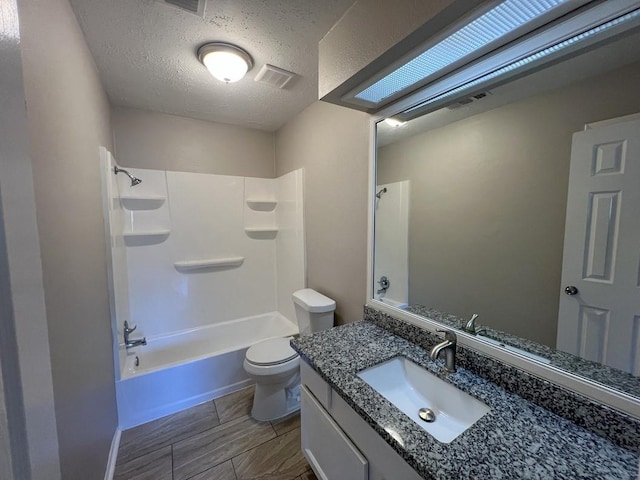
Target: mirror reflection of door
(391, 266)
(599, 316)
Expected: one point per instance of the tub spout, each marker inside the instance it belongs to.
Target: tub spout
(136, 343)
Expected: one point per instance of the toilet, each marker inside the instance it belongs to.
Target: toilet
(275, 366)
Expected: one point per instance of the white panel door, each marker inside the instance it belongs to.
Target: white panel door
(601, 322)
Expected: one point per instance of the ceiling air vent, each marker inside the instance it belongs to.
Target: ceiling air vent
(467, 101)
(193, 6)
(274, 76)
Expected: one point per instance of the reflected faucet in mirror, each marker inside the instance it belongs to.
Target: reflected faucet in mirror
(470, 326)
(384, 285)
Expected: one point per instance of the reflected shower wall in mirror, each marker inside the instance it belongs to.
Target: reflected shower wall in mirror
(488, 197)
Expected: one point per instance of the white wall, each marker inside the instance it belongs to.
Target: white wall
(68, 119)
(168, 142)
(290, 246)
(28, 428)
(205, 218)
(391, 248)
(115, 219)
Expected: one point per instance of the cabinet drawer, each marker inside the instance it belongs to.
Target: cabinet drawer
(326, 447)
(316, 385)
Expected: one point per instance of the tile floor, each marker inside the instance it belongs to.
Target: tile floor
(217, 440)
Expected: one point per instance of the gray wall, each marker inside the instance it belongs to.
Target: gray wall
(169, 142)
(332, 144)
(28, 402)
(68, 118)
(488, 199)
(371, 28)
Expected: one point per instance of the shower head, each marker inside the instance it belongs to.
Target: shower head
(379, 194)
(134, 180)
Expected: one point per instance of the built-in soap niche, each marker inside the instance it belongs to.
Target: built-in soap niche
(260, 220)
(145, 212)
(145, 237)
(142, 202)
(261, 205)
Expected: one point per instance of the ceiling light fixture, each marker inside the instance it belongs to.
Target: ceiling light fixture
(224, 61)
(394, 122)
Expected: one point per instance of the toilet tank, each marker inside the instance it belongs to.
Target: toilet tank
(314, 311)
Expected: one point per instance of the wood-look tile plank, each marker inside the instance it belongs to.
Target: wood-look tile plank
(283, 426)
(152, 466)
(235, 405)
(308, 475)
(224, 471)
(151, 436)
(207, 449)
(278, 459)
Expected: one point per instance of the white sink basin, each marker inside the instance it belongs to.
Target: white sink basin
(411, 388)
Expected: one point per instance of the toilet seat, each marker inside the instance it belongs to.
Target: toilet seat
(271, 352)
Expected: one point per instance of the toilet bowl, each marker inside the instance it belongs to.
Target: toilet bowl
(275, 366)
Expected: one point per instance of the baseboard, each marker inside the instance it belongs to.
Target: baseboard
(113, 455)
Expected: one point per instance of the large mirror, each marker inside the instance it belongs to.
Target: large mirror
(497, 203)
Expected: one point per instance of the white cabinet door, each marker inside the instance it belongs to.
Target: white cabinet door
(601, 322)
(330, 453)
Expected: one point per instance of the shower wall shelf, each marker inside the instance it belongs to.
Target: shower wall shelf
(265, 233)
(145, 237)
(187, 265)
(262, 204)
(140, 202)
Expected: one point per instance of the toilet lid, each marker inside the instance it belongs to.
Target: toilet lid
(270, 352)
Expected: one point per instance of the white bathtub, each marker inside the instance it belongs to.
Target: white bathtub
(187, 368)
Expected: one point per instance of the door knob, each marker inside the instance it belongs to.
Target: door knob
(570, 290)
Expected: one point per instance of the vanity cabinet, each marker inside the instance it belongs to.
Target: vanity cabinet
(337, 443)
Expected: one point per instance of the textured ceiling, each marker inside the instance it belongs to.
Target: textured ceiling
(145, 53)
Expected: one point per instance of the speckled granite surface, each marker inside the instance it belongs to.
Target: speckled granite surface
(515, 440)
(597, 372)
(615, 426)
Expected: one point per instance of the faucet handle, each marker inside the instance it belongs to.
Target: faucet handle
(470, 327)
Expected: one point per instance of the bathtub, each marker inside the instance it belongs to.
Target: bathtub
(183, 369)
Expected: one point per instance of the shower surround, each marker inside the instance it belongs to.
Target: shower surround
(205, 266)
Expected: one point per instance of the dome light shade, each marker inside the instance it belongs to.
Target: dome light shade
(224, 61)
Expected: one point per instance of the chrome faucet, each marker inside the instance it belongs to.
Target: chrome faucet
(470, 327)
(449, 347)
(384, 285)
(132, 343)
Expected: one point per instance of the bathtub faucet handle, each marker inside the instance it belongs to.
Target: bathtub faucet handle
(127, 341)
(128, 331)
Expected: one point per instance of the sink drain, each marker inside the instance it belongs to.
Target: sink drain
(427, 415)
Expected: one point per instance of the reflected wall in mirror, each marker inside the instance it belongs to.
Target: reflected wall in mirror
(487, 210)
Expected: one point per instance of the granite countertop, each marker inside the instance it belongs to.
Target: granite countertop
(608, 376)
(515, 440)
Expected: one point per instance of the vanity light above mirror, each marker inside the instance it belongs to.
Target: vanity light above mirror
(590, 51)
(484, 39)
